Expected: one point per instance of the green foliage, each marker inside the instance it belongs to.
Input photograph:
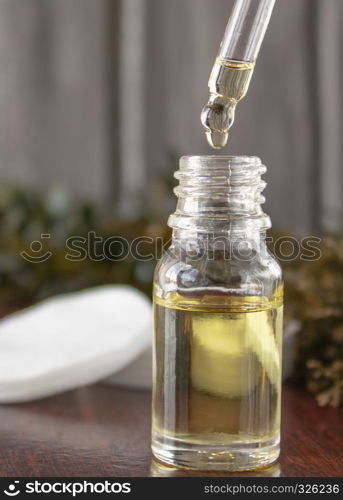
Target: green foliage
(25, 216)
(314, 296)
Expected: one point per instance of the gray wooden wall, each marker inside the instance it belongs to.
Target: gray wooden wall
(96, 94)
(53, 94)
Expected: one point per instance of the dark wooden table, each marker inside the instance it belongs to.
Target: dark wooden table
(105, 431)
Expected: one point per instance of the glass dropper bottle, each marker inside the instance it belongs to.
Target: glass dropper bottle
(234, 66)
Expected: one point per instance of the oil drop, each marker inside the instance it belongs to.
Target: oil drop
(228, 84)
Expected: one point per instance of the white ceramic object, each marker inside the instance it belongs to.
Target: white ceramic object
(73, 340)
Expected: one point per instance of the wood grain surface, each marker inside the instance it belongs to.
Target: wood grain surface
(105, 431)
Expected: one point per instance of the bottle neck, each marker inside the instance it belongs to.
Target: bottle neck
(220, 195)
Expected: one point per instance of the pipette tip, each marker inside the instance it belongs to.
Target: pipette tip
(217, 118)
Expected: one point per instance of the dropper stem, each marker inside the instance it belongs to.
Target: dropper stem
(234, 66)
(246, 29)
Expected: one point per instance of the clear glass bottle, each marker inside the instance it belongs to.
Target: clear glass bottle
(218, 296)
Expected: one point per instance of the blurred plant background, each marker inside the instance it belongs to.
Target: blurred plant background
(314, 297)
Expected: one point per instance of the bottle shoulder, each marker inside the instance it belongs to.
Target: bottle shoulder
(260, 274)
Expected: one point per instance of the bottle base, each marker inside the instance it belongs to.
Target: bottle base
(235, 457)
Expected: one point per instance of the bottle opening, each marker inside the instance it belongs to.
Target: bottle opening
(208, 160)
(220, 191)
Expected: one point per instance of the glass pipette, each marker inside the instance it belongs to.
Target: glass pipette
(234, 66)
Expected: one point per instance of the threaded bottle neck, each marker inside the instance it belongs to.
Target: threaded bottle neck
(220, 194)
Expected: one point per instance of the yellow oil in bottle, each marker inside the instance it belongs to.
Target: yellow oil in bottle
(228, 84)
(216, 395)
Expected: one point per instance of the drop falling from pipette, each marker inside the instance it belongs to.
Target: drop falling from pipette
(217, 118)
